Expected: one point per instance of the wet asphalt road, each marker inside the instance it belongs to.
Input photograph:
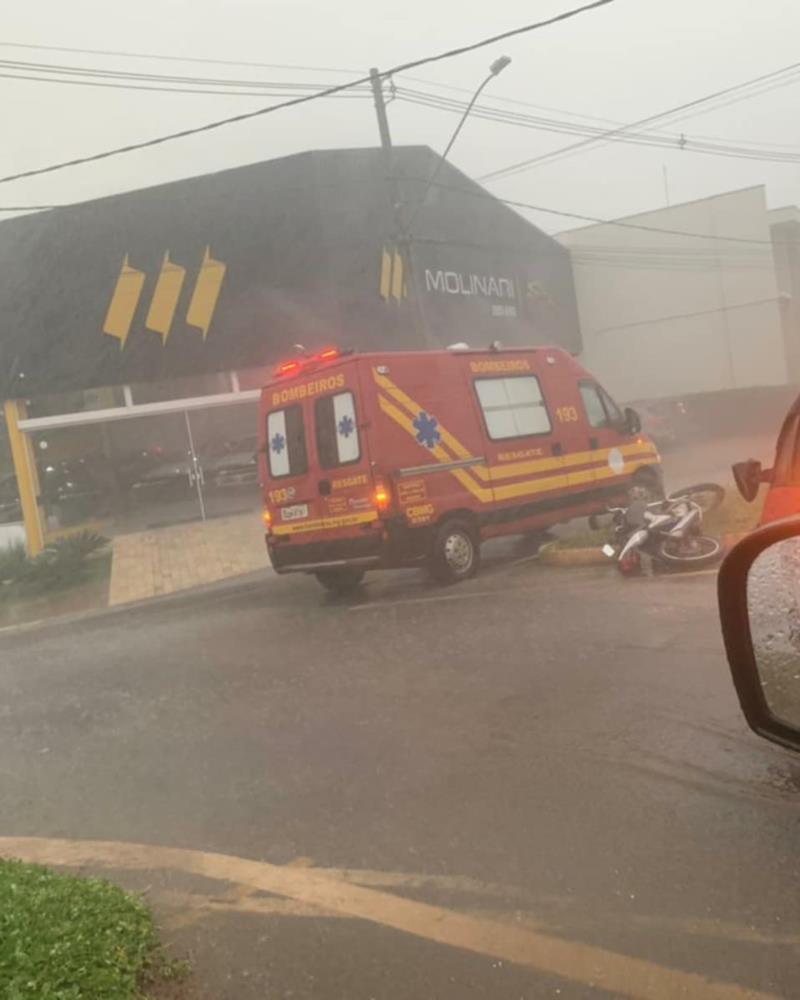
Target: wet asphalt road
(551, 749)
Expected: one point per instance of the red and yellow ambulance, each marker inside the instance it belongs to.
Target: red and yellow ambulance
(386, 460)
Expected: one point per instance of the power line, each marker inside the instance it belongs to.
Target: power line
(451, 53)
(478, 192)
(606, 122)
(168, 90)
(753, 151)
(611, 133)
(168, 58)
(60, 69)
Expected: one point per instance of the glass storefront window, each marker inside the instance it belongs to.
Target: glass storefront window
(187, 387)
(105, 398)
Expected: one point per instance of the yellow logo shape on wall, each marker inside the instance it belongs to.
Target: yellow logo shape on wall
(166, 295)
(392, 280)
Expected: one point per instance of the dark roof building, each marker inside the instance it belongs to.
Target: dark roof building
(228, 271)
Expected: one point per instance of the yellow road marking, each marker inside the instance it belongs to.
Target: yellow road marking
(621, 975)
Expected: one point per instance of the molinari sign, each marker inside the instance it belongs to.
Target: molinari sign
(456, 283)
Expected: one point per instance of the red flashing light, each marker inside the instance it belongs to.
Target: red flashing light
(297, 364)
(289, 368)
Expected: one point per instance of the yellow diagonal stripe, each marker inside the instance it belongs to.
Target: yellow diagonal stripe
(165, 297)
(324, 523)
(206, 292)
(439, 452)
(644, 451)
(122, 307)
(386, 273)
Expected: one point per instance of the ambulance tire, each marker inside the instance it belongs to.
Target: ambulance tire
(340, 581)
(455, 553)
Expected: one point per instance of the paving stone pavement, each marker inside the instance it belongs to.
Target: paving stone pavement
(151, 563)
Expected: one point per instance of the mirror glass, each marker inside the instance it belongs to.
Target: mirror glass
(773, 605)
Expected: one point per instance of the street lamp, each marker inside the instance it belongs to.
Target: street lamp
(495, 69)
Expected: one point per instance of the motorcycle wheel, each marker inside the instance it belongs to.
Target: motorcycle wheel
(707, 496)
(693, 552)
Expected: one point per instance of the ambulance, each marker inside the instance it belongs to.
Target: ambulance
(374, 461)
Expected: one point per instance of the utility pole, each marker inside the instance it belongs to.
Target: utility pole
(380, 109)
(402, 273)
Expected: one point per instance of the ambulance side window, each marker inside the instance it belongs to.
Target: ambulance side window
(286, 442)
(337, 430)
(612, 410)
(593, 404)
(513, 407)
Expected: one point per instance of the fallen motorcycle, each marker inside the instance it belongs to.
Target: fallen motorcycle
(667, 533)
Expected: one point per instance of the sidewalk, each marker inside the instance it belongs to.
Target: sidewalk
(151, 563)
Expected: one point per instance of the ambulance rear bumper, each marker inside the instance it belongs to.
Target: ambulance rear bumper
(313, 556)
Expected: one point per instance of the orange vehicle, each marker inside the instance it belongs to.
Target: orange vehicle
(783, 496)
(386, 460)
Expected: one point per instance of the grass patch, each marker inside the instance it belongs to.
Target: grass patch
(734, 516)
(68, 938)
(583, 538)
(63, 565)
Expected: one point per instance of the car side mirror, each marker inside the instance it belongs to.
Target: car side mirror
(758, 589)
(633, 422)
(748, 476)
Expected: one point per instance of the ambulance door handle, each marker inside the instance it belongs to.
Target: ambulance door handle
(557, 449)
(324, 487)
(593, 443)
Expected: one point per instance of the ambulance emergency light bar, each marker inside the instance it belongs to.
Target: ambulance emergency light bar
(295, 365)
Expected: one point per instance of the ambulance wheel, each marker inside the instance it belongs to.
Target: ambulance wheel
(455, 553)
(340, 581)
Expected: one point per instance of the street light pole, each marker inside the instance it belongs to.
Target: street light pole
(406, 239)
(403, 229)
(495, 69)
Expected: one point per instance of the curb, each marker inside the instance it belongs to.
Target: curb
(550, 555)
(174, 598)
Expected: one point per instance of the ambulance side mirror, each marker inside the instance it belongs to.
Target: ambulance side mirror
(758, 589)
(748, 476)
(633, 422)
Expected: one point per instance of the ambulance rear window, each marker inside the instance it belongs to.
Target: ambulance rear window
(286, 442)
(337, 430)
(513, 407)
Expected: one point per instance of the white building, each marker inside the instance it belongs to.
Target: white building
(665, 313)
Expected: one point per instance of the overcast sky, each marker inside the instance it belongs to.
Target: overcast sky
(621, 62)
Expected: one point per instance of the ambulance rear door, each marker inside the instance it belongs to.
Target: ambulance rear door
(344, 480)
(291, 485)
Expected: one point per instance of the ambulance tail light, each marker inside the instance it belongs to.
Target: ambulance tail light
(382, 496)
(266, 517)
